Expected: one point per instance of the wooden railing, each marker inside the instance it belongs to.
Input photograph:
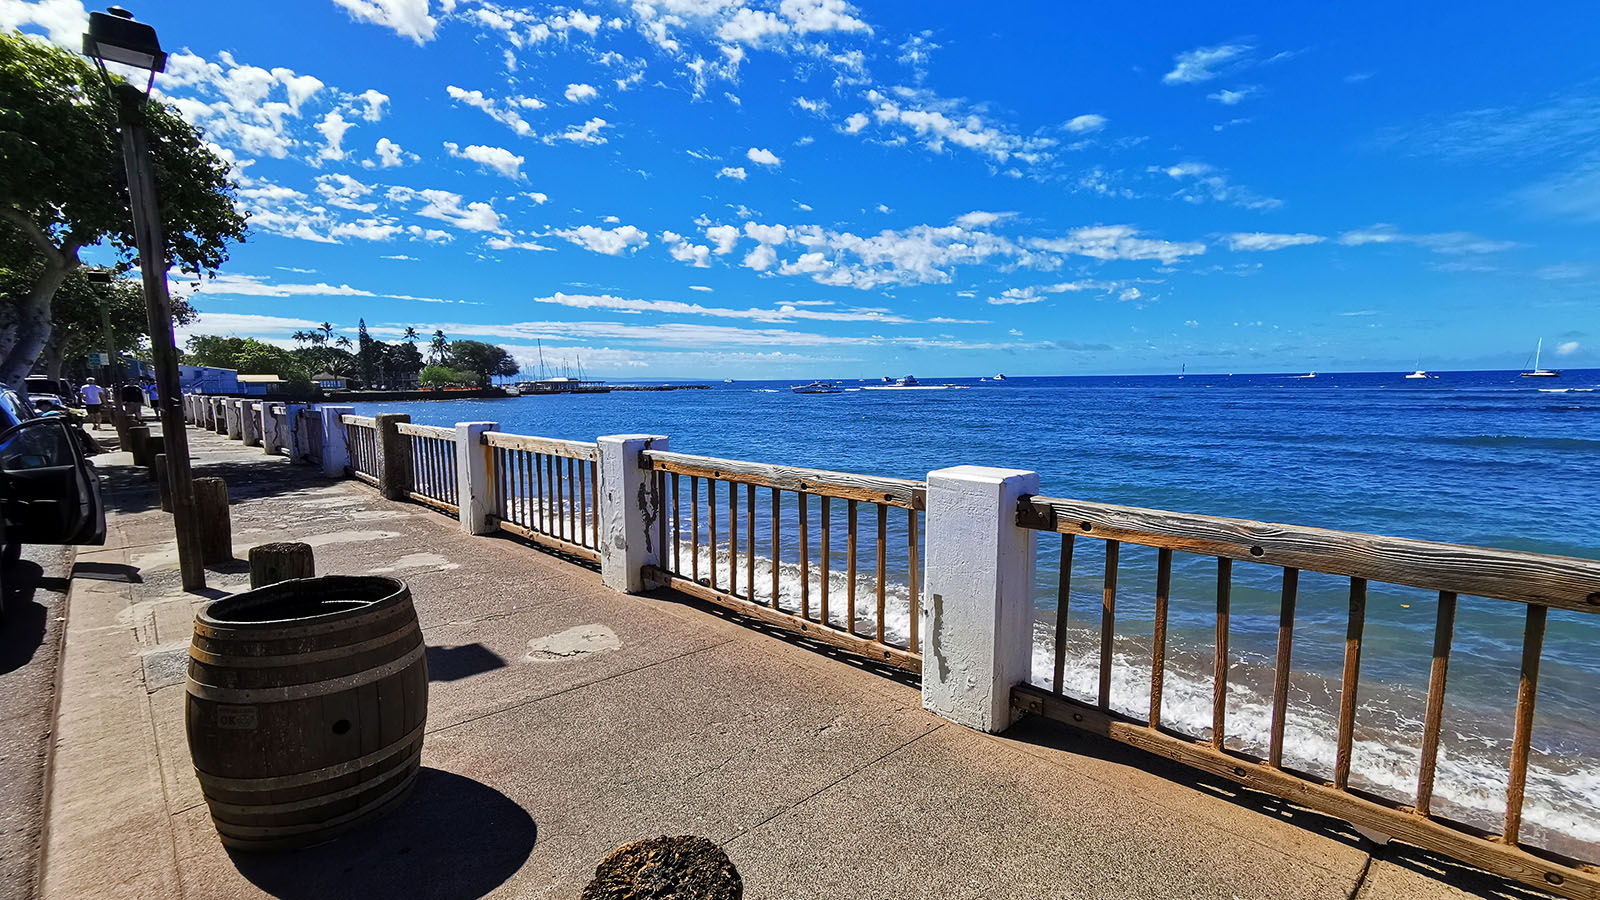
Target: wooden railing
(1539, 582)
(547, 491)
(309, 427)
(434, 479)
(717, 578)
(361, 434)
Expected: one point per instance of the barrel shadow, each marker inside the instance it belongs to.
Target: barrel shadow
(453, 839)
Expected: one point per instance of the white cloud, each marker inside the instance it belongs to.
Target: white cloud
(1231, 98)
(855, 123)
(938, 121)
(1260, 240)
(1089, 122)
(819, 107)
(750, 26)
(724, 236)
(822, 15)
(587, 133)
(408, 18)
(612, 242)
(683, 250)
(498, 158)
(1204, 182)
(735, 172)
(788, 312)
(1566, 348)
(446, 207)
(374, 102)
(333, 126)
(1192, 323)
(1450, 242)
(64, 21)
(580, 93)
(1109, 242)
(1016, 297)
(761, 258)
(503, 114)
(389, 153)
(699, 287)
(1129, 293)
(508, 243)
(764, 157)
(981, 219)
(1202, 63)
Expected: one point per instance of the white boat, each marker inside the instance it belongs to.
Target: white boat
(1000, 377)
(1537, 371)
(816, 387)
(1312, 375)
(1418, 374)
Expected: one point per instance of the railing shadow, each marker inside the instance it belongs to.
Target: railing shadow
(453, 839)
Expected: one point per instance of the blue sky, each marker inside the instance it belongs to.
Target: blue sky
(811, 188)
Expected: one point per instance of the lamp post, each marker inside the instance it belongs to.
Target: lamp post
(114, 36)
(102, 279)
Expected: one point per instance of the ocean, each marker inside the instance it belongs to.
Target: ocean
(1485, 458)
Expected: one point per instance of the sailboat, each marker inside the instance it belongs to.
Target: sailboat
(1182, 369)
(1538, 372)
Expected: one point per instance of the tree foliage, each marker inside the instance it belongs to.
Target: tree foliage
(483, 360)
(63, 188)
(444, 376)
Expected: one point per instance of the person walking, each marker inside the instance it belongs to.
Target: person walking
(132, 400)
(93, 395)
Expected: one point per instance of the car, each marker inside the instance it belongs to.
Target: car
(49, 490)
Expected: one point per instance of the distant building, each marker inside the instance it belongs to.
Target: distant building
(329, 381)
(260, 384)
(207, 380)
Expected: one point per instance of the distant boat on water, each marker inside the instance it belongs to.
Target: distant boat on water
(1538, 372)
(816, 387)
(1000, 377)
(1420, 374)
(1311, 375)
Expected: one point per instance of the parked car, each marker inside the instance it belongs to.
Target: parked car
(49, 491)
(50, 393)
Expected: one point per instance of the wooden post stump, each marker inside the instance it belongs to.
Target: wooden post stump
(160, 472)
(272, 563)
(211, 515)
(684, 866)
(138, 437)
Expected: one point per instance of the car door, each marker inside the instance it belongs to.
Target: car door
(51, 492)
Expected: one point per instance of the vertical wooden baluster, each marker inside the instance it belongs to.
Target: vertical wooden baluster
(583, 512)
(1352, 677)
(594, 500)
(711, 526)
(561, 500)
(883, 567)
(750, 542)
(568, 522)
(536, 504)
(733, 538)
(694, 528)
(1280, 675)
(1219, 678)
(850, 565)
(914, 595)
(1522, 731)
(1108, 620)
(805, 560)
(550, 522)
(530, 497)
(1063, 594)
(661, 518)
(776, 511)
(827, 557)
(1158, 637)
(677, 531)
(1444, 630)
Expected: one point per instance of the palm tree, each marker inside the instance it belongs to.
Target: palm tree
(299, 337)
(343, 342)
(410, 335)
(438, 346)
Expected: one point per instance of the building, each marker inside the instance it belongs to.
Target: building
(258, 385)
(207, 380)
(329, 381)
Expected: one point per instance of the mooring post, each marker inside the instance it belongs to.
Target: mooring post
(335, 440)
(211, 510)
(474, 481)
(630, 511)
(977, 643)
(394, 456)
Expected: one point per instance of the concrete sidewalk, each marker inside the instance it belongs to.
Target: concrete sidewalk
(566, 720)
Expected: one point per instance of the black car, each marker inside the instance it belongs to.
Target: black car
(49, 492)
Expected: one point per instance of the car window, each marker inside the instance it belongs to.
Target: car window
(40, 445)
(13, 411)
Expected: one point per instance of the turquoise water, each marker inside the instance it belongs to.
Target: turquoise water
(1478, 458)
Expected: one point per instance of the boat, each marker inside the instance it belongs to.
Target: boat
(1183, 369)
(727, 381)
(907, 381)
(1311, 375)
(1538, 372)
(1418, 374)
(1000, 377)
(816, 387)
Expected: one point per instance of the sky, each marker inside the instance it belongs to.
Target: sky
(802, 189)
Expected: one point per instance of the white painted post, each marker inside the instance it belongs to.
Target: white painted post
(630, 511)
(219, 408)
(474, 487)
(977, 642)
(269, 427)
(249, 423)
(291, 430)
(235, 425)
(335, 440)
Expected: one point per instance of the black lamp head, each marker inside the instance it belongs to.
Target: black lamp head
(115, 36)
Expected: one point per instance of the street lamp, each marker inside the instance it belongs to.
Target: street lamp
(114, 36)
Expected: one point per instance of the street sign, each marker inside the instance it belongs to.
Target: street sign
(99, 359)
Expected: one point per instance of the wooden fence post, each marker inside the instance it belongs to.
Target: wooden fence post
(976, 601)
(630, 511)
(394, 456)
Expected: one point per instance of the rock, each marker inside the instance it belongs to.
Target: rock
(666, 868)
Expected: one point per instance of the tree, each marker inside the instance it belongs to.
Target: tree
(404, 361)
(248, 356)
(62, 186)
(444, 376)
(438, 348)
(483, 360)
(410, 335)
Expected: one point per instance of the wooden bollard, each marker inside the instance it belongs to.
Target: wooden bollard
(139, 444)
(684, 866)
(160, 472)
(281, 561)
(211, 517)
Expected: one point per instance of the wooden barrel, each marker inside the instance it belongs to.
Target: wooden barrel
(307, 701)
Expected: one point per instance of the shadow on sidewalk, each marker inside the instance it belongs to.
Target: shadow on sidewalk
(133, 489)
(453, 839)
(22, 625)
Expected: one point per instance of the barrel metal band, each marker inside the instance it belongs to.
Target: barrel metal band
(224, 631)
(258, 809)
(269, 832)
(295, 659)
(301, 779)
(242, 696)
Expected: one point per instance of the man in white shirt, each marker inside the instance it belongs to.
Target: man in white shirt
(92, 395)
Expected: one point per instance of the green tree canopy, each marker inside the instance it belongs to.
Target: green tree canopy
(248, 356)
(483, 360)
(444, 376)
(62, 185)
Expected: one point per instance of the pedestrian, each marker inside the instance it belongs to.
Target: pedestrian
(92, 395)
(132, 400)
(151, 395)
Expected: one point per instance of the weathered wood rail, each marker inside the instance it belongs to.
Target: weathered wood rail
(1539, 582)
(826, 622)
(434, 478)
(361, 435)
(546, 490)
